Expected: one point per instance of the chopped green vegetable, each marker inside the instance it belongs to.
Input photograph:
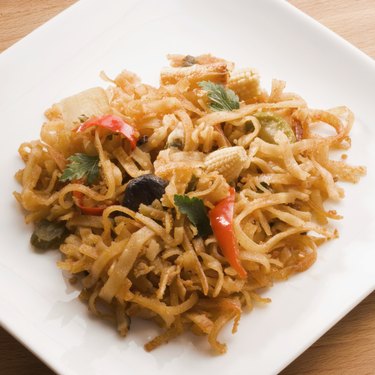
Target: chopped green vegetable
(271, 124)
(249, 126)
(82, 118)
(48, 235)
(196, 212)
(222, 99)
(192, 185)
(188, 60)
(81, 166)
(177, 143)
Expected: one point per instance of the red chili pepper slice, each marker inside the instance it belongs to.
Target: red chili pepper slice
(114, 123)
(94, 210)
(221, 218)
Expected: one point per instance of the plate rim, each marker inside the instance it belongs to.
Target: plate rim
(29, 343)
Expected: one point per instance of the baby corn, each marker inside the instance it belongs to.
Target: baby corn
(245, 83)
(228, 161)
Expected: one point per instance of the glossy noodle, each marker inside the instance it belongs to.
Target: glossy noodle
(178, 203)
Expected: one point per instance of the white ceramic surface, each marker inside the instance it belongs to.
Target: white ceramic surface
(64, 56)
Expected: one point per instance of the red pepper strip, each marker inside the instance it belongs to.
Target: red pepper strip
(97, 211)
(221, 218)
(115, 124)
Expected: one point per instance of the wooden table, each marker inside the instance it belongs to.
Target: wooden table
(349, 347)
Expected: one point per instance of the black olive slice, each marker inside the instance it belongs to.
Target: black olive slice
(143, 189)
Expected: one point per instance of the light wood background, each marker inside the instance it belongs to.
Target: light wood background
(349, 347)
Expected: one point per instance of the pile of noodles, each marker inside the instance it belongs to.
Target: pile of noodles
(151, 263)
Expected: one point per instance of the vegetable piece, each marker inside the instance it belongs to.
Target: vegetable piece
(271, 124)
(91, 102)
(177, 61)
(249, 126)
(87, 210)
(48, 235)
(81, 166)
(297, 129)
(192, 185)
(143, 140)
(188, 60)
(83, 118)
(176, 138)
(221, 99)
(143, 189)
(195, 211)
(115, 124)
(215, 72)
(245, 83)
(221, 218)
(228, 161)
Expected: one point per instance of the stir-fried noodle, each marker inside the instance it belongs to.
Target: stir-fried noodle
(178, 203)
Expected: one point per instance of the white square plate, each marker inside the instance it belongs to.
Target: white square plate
(65, 56)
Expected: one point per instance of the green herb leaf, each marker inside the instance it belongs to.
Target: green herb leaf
(195, 211)
(222, 99)
(81, 166)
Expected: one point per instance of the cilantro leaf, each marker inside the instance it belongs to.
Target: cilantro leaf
(195, 211)
(81, 166)
(222, 99)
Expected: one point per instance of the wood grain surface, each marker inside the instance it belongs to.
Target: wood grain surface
(349, 347)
